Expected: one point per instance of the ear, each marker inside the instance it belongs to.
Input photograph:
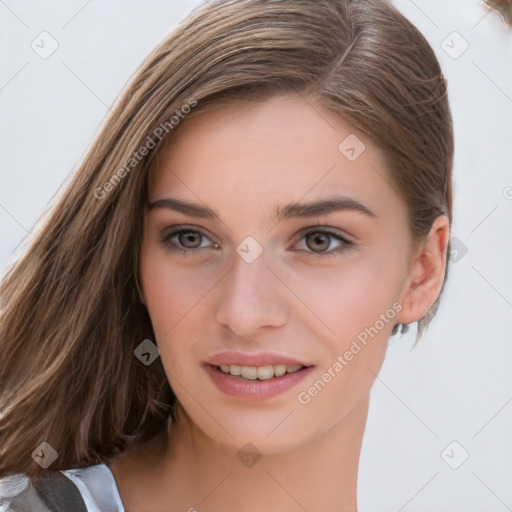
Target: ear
(426, 274)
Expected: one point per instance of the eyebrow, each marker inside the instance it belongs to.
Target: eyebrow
(289, 211)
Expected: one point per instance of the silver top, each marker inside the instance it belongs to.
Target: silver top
(96, 484)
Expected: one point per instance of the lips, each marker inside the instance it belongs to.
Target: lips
(255, 376)
(240, 388)
(259, 359)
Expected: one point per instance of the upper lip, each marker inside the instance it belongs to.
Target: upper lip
(252, 359)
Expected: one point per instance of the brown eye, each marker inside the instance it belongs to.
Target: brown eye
(186, 241)
(189, 239)
(317, 243)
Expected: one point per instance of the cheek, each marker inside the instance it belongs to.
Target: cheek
(353, 296)
(172, 292)
(351, 303)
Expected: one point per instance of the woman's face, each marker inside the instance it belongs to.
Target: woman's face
(304, 262)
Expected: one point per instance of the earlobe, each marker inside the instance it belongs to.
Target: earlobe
(427, 273)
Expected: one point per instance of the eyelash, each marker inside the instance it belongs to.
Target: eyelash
(166, 240)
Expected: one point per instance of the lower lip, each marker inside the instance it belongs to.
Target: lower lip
(252, 390)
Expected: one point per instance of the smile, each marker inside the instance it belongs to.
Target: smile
(256, 383)
(259, 372)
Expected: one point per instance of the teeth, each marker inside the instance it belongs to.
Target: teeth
(249, 372)
(259, 372)
(234, 369)
(265, 372)
(279, 370)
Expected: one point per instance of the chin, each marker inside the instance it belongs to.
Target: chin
(268, 432)
(249, 441)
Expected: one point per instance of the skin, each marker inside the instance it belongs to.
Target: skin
(243, 161)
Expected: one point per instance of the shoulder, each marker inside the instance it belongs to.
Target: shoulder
(89, 489)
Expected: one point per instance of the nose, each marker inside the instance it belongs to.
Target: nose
(251, 297)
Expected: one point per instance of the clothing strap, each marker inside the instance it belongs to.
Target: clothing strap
(59, 493)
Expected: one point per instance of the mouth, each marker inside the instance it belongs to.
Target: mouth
(252, 373)
(253, 376)
(257, 383)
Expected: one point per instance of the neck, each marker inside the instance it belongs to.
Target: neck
(319, 476)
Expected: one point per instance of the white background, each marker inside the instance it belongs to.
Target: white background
(456, 385)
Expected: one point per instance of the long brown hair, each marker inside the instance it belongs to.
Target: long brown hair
(71, 317)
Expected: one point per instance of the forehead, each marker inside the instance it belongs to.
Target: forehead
(258, 156)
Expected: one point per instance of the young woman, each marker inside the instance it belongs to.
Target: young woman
(199, 323)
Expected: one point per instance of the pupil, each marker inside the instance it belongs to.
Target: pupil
(320, 237)
(188, 237)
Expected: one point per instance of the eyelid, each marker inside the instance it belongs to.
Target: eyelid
(326, 228)
(172, 231)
